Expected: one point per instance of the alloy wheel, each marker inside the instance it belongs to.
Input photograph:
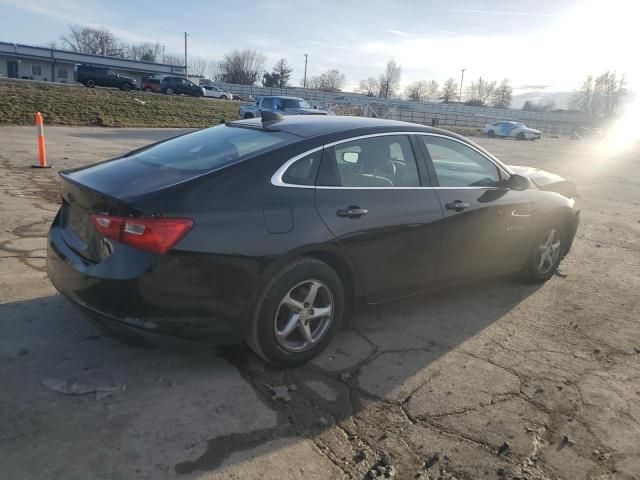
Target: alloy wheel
(303, 316)
(548, 252)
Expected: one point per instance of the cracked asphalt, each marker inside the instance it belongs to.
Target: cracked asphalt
(496, 380)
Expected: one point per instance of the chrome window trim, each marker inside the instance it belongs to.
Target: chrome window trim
(276, 178)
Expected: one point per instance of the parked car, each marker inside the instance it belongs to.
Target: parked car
(93, 75)
(180, 85)
(215, 92)
(150, 84)
(511, 129)
(283, 105)
(270, 230)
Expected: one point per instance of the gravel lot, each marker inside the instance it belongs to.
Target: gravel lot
(499, 380)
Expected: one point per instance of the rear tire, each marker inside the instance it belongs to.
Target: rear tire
(491, 134)
(297, 313)
(546, 253)
(125, 87)
(90, 83)
(169, 91)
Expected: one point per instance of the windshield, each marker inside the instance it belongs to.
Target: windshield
(210, 149)
(294, 103)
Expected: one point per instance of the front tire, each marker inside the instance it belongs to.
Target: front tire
(491, 134)
(297, 313)
(125, 87)
(90, 83)
(520, 136)
(169, 91)
(546, 254)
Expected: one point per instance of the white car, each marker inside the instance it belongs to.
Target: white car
(215, 92)
(511, 129)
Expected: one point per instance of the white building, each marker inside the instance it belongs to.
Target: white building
(52, 65)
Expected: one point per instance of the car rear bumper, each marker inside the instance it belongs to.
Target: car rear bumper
(147, 295)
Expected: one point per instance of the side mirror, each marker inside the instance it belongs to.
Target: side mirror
(518, 182)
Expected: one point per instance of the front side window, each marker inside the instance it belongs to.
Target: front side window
(303, 171)
(457, 165)
(112, 73)
(212, 148)
(267, 103)
(385, 161)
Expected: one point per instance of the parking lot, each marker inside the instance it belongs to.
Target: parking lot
(495, 380)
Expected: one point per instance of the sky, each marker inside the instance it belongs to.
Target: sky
(546, 45)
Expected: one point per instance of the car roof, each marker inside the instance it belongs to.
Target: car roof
(316, 125)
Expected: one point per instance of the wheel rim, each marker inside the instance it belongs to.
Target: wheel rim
(548, 251)
(169, 91)
(303, 316)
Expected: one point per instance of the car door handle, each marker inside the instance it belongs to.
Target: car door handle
(352, 212)
(456, 205)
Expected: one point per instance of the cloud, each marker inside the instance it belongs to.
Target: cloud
(400, 33)
(494, 12)
(533, 87)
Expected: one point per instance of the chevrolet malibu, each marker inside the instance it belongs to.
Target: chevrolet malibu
(269, 230)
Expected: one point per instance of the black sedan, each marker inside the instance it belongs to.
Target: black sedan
(270, 229)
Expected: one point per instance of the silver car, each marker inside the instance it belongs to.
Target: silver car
(215, 92)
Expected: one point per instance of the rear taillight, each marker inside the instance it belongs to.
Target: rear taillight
(156, 235)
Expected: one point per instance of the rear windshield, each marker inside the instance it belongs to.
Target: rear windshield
(212, 148)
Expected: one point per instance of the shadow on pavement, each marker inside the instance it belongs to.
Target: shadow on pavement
(379, 357)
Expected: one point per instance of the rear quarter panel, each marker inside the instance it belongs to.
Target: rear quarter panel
(231, 252)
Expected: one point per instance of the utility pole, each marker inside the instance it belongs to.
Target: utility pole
(461, 80)
(304, 83)
(186, 68)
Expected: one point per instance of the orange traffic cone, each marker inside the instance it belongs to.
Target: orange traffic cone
(41, 149)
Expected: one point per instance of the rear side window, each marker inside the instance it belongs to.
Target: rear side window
(385, 161)
(211, 148)
(303, 171)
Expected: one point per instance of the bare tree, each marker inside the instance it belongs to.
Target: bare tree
(582, 98)
(449, 90)
(197, 66)
(98, 41)
(330, 81)
(244, 67)
(503, 95)
(416, 91)
(431, 91)
(215, 73)
(480, 91)
(607, 92)
(390, 80)
(144, 51)
(369, 87)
